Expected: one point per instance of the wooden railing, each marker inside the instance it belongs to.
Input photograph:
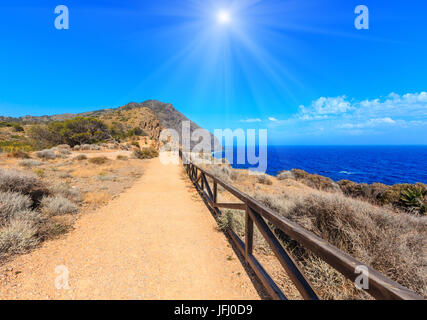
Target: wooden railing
(380, 287)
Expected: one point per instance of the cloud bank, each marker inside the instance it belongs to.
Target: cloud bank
(394, 110)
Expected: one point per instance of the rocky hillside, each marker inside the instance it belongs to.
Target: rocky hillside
(151, 116)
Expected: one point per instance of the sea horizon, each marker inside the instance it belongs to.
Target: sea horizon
(387, 164)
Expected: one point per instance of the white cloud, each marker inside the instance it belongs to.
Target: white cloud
(323, 107)
(371, 123)
(273, 119)
(251, 120)
(394, 110)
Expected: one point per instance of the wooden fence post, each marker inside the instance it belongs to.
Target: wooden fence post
(249, 234)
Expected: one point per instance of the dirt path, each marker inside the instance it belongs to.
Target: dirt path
(155, 241)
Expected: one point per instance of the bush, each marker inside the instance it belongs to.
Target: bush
(98, 160)
(264, 179)
(283, 175)
(15, 145)
(145, 153)
(122, 157)
(315, 181)
(46, 154)
(17, 127)
(81, 157)
(136, 132)
(63, 189)
(57, 205)
(29, 163)
(76, 131)
(17, 181)
(408, 197)
(11, 203)
(18, 237)
(19, 154)
(414, 199)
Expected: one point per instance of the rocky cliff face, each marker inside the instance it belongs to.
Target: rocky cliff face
(170, 118)
(128, 119)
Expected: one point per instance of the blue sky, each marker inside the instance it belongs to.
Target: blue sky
(299, 68)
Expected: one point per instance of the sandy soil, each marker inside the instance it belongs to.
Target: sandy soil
(155, 241)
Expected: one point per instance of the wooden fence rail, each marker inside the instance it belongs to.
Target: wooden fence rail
(380, 287)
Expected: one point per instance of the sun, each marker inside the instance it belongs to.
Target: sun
(224, 17)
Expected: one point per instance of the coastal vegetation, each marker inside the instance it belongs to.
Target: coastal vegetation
(381, 226)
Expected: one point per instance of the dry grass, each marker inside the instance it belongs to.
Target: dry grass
(222, 172)
(264, 179)
(392, 243)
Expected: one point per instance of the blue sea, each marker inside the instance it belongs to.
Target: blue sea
(364, 164)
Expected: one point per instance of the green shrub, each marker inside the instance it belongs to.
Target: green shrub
(76, 131)
(15, 145)
(98, 160)
(407, 197)
(415, 199)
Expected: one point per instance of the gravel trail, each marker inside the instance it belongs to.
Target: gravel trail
(155, 241)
